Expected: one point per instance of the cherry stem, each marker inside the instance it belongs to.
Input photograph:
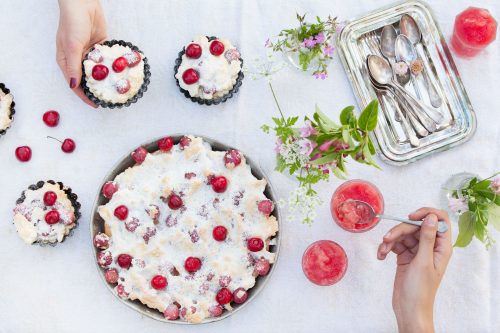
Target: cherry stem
(51, 137)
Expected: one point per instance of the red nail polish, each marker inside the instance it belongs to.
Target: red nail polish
(72, 83)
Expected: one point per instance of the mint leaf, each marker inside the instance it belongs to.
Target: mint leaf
(465, 229)
(368, 119)
(346, 115)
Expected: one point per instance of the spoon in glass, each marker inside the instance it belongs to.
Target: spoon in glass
(406, 52)
(365, 214)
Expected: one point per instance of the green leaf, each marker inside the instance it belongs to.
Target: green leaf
(346, 114)
(465, 229)
(339, 174)
(368, 119)
(494, 216)
(373, 151)
(265, 129)
(480, 229)
(325, 159)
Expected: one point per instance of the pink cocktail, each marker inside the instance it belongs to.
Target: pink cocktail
(475, 29)
(347, 216)
(324, 262)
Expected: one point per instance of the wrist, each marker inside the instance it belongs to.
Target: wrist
(417, 322)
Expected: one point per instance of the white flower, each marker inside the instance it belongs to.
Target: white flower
(265, 67)
(458, 206)
(303, 204)
(495, 185)
(293, 151)
(306, 146)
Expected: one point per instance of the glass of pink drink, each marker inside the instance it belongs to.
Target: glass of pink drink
(324, 262)
(475, 29)
(345, 215)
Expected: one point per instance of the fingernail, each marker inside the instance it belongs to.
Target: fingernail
(430, 221)
(383, 248)
(387, 235)
(72, 83)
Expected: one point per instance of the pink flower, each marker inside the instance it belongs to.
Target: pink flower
(315, 157)
(307, 146)
(326, 145)
(310, 42)
(268, 43)
(307, 130)
(278, 146)
(400, 68)
(328, 50)
(321, 75)
(495, 185)
(320, 38)
(458, 205)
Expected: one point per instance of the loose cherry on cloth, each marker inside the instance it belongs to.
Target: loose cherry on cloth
(51, 118)
(23, 153)
(68, 145)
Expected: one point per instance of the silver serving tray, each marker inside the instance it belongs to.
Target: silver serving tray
(97, 225)
(393, 146)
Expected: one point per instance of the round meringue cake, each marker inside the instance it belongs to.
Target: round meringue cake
(185, 230)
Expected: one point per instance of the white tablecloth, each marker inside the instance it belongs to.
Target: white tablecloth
(59, 290)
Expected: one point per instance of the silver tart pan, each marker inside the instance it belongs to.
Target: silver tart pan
(97, 225)
(133, 99)
(71, 196)
(201, 101)
(12, 110)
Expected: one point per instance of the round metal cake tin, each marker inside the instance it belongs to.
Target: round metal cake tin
(97, 225)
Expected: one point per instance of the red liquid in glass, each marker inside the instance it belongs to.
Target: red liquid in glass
(475, 29)
(324, 262)
(347, 216)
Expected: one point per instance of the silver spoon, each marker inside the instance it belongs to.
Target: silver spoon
(388, 42)
(381, 71)
(366, 214)
(410, 29)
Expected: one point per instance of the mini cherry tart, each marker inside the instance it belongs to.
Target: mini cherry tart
(209, 69)
(180, 236)
(45, 215)
(114, 74)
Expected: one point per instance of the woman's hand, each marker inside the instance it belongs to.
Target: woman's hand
(422, 257)
(81, 25)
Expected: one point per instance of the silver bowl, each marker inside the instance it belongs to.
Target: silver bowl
(97, 225)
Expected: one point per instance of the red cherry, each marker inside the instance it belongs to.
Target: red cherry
(216, 48)
(224, 281)
(100, 72)
(193, 51)
(232, 158)
(68, 146)
(215, 310)
(165, 144)
(262, 267)
(255, 244)
(52, 217)
(109, 189)
(124, 260)
(159, 282)
(174, 201)
(224, 296)
(120, 291)
(122, 86)
(184, 142)
(190, 76)
(101, 241)
(119, 64)
(139, 155)
(219, 184)
(133, 58)
(111, 276)
(240, 295)
(51, 118)
(192, 264)
(171, 312)
(265, 207)
(104, 258)
(49, 198)
(121, 212)
(23, 153)
(219, 233)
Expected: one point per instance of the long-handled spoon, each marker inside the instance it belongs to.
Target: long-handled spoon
(405, 51)
(365, 214)
(380, 70)
(410, 29)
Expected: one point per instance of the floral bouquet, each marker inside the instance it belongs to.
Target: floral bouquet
(477, 203)
(311, 44)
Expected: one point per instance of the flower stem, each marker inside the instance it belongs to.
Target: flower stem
(276, 101)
